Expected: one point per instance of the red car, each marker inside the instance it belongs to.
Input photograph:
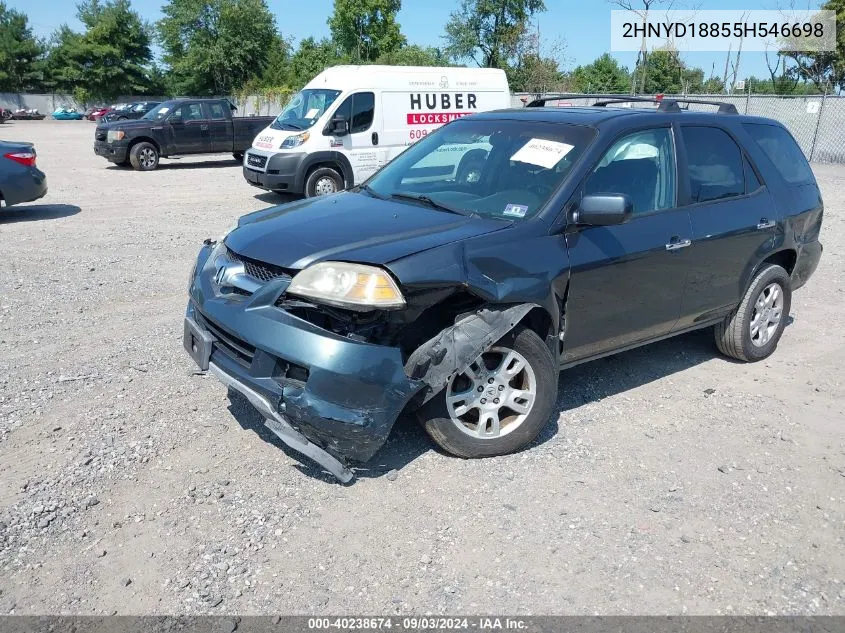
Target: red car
(96, 113)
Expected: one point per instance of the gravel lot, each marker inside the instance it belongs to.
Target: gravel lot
(674, 481)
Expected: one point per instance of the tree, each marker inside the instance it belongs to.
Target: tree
(665, 72)
(311, 58)
(19, 52)
(825, 69)
(365, 29)
(604, 75)
(277, 72)
(488, 32)
(111, 58)
(413, 55)
(213, 47)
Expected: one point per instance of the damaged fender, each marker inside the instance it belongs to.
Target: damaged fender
(449, 353)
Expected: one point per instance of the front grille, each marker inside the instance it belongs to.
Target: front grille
(100, 135)
(235, 348)
(260, 270)
(256, 160)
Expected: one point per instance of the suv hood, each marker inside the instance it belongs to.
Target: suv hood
(349, 227)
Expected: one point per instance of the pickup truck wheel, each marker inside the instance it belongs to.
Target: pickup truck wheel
(752, 331)
(323, 181)
(499, 403)
(143, 156)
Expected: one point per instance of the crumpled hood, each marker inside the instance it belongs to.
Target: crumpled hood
(349, 227)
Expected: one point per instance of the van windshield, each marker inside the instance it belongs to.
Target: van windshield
(304, 108)
(501, 168)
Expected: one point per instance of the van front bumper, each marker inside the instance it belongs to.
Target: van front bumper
(342, 396)
(274, 172)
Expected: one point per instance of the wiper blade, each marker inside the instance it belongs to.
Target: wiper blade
(430, 202)
(372, 192)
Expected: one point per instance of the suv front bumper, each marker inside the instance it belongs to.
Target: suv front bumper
(342, 396)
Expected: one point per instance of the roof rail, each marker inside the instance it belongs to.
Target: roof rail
(667, 104)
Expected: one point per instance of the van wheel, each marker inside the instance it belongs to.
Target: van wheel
(752, 331)
(143, 156)
(499, 403)
(323, 181)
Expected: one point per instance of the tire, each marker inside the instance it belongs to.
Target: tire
(143, 156)
(238, 156)
(121, 118)
(323, 181)
(462, 435)
(769, 299)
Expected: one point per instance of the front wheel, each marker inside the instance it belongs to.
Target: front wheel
(499, 403)
(323, 181)
(752, 331)
(144, 157)
(238, 156)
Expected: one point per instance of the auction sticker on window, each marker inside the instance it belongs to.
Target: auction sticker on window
(542, 153)
(516, 210)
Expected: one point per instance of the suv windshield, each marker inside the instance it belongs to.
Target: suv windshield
(493, 168)
(159, 112)
(304, 108)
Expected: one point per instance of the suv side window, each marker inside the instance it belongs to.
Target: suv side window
(780, 148)
(715, 164)
(358, 109)
(640, 165)
(217, 112)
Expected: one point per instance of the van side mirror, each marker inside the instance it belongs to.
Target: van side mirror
(340, 125)
(603, 209)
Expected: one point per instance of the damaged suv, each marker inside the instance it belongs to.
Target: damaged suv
(574, 233)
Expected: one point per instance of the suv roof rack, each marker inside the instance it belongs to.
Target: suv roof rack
(669, 104)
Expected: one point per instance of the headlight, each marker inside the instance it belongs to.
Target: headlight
(348, 285)
(295, 141)
(115, 135)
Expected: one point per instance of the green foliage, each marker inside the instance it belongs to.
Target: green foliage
(215, 46)
(19, 52)
(311, 58)
(413, 55)
(488, 32)
(111, 58)
(535, 74)
(278, 61)
(363, 30)
(604, 75)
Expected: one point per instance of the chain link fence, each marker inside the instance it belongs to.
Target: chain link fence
(817, 122)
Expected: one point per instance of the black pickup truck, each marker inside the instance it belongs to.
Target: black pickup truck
(178, 127)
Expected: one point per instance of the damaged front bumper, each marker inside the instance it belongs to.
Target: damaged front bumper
(338, 396)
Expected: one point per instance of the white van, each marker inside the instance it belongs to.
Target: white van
(351, 120)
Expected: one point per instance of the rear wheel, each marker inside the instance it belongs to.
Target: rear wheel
(752, 331)
(499, 403)
(143, 156)
(323, 181)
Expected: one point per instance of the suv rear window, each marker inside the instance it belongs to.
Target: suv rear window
(782, 150)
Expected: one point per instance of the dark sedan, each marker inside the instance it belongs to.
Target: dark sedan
(20, 179)
(131, 112)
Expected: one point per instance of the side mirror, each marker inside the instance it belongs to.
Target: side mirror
(340, 125)
(603, 209)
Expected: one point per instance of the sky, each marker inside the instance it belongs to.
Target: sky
(583, 25)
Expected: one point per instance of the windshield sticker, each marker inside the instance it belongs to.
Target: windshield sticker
(312, 113)
(542, 153)
(163, 110)
(516, 210)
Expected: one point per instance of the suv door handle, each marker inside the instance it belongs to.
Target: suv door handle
(765, 224)
(204, 128)
(677, 243)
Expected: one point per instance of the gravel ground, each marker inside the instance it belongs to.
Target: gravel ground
(674, 481)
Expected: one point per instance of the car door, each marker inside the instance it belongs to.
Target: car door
(733, 217)
(219, 127)
(361, 144)
(626, 281)
(190, 129)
